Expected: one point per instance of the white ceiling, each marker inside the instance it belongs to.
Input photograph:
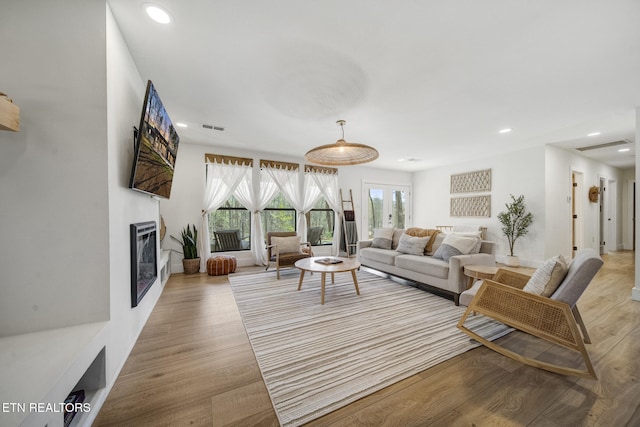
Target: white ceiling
(427, 80)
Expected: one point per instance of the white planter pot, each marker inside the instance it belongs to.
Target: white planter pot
(512, 261)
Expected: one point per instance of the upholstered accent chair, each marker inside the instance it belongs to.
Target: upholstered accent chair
(284, 248)
(555, 319)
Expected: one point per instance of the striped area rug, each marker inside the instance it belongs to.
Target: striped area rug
(317, 358)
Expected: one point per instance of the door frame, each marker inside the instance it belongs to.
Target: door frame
(577, 238)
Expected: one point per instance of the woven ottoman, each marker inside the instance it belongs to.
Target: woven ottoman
(220, 265)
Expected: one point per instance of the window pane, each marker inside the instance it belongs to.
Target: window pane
(398, 203)
(279, 215)
(320, 221)
(376, 198)
(230, 227)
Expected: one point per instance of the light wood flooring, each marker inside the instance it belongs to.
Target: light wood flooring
(193, 365)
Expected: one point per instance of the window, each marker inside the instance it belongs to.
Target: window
(320, 222)
(279, 215)
(230, 227)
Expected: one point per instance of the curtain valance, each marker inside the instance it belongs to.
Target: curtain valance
(320, 169)
(279, 165)
(228, 160)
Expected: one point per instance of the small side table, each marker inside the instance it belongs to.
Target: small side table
(477, 272)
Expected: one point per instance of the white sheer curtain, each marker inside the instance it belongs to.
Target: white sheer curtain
(327, 183)
(310, 195)
(288, 182)
(222, 180)
(302, 199)
(256, 201)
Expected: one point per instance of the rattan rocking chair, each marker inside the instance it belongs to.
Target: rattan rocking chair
(555, 319)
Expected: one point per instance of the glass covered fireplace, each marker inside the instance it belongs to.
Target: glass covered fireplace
(144, 260)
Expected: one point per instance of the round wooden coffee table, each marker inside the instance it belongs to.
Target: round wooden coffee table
(477, 272)
(312, 264)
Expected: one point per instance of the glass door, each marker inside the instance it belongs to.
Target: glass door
(387, 206)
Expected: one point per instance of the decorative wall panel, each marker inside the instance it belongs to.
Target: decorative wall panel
(471, 182)
(476, 206)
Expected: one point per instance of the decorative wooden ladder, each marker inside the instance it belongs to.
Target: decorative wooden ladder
(349, 228)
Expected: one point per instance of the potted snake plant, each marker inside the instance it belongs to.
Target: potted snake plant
(189, 241)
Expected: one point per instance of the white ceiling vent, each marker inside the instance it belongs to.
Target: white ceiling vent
(212, 127)
(605, 145)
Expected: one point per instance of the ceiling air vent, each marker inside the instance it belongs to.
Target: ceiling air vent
(213, 127)
(605, 145)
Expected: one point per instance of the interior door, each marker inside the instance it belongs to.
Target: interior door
(387, 206)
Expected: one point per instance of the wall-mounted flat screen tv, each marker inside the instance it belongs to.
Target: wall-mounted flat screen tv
(156, 148)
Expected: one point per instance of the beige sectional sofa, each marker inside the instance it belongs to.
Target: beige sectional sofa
(445, 278)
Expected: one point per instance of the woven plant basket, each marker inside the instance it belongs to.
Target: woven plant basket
(191, 266)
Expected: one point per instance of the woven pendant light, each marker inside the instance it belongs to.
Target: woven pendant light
(342, 153)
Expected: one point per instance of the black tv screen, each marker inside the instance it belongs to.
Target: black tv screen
(155, 149)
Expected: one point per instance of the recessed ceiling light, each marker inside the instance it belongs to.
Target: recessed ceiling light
(157, 14)
(507, 130)
(622, 150)
(181, 125)
(593, 134)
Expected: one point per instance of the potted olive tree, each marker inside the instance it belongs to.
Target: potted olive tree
(515, 224)
(189, 241)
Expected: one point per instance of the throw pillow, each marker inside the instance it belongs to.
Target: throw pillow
(412, 245)
(290, 244)
(434, 243)
(382, 238)
(454, 244)
(395, 240)
(478, 234)
(546, 279)
(424, 232)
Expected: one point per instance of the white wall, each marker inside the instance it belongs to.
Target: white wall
(516, 173)
(53, 173)
(187, 193)
(66, 206)
(543, 176)
(125, 90)
(559, 165)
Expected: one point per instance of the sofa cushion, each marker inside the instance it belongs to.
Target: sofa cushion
(412, 245)
(385, 256)
(454, 244)
(546, 279)
(287, 245)
(424, 265)
(382, 238)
